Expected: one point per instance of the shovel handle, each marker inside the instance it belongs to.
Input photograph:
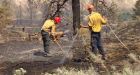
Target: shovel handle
(59, 45)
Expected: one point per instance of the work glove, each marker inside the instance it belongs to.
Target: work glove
(55, 41)
(82, 26)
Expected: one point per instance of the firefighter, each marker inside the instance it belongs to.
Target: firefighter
(48, 32)
(95, 22)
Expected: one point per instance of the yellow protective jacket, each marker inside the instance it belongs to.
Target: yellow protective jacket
(49, 25)
(96, 21)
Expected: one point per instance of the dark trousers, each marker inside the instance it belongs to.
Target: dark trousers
(46, 40)
(96, 43)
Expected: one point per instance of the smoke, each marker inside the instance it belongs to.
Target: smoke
(21, 3)
(23, 6)
(25, 9)
(123, 4)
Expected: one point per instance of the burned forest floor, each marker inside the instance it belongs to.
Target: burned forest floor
(29, 56)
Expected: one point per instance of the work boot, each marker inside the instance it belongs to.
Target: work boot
(46, 54)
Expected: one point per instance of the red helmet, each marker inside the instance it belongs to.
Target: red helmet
(57, 19)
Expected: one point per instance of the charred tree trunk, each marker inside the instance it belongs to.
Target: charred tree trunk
(76, 15)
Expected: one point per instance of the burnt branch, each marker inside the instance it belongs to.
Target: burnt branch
(59, 5)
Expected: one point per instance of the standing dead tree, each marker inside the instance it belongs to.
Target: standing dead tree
(76, 15)
(108, 11)
(49, 8)
(54, 8)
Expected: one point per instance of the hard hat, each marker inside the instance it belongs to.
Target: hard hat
(57, 19)
(90, 6)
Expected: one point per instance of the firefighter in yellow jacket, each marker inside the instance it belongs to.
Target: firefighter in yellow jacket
(95, 22)
(48, 32)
